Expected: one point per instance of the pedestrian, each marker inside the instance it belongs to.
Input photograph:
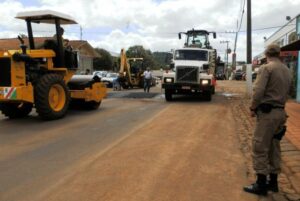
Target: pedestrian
(270, 94)
(116, 83)
(87, 71)
(147, 80)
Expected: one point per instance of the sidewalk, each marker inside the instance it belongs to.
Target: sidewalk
(293, 134)
(290, 148)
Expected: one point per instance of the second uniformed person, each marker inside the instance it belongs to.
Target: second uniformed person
(270, 94)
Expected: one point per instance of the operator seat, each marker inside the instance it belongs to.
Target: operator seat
(52, 45)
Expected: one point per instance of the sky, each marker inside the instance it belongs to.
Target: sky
(155, 24)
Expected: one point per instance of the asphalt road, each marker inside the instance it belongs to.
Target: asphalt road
(35, 153)
(131, 149)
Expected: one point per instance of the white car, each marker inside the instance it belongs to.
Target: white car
(109, 79)
(100, 74)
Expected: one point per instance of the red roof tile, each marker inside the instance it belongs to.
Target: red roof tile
(14, 44)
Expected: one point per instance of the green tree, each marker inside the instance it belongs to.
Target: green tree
(138, 51)
(162, 59)
(105, 62)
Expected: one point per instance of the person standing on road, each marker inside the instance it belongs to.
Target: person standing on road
(117, 83)
(270, 94)
(87, 71)
(147, 80)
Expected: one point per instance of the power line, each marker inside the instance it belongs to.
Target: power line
(258, 29)
(166, 33)
(239, 28)
(242, 15)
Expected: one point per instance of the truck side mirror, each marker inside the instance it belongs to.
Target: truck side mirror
(214, 34)
(205, 66)
(179, 36)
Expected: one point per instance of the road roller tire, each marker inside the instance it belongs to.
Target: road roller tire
(16, 110)
(52, 97)
(81, 104)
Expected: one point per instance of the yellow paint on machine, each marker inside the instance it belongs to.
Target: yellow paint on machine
(96, 93)
(23, 93)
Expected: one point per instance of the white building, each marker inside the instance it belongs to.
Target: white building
(288, 38)
(285, 35)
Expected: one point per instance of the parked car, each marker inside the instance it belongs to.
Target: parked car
(100, 74)
(254, 74)
(239, 75)
(109, 79)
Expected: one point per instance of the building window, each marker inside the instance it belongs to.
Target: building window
(278, 42)
(292, 37)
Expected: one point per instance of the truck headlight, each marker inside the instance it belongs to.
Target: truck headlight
(204, 82)
(168, 80)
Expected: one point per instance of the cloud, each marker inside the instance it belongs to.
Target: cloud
(116, 24)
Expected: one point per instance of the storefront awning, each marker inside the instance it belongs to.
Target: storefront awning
(295, 46)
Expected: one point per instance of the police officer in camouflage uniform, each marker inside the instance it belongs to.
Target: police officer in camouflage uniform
(270, 94)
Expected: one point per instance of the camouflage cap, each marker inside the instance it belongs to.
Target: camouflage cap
(272, 50)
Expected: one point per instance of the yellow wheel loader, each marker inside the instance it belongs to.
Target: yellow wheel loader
(43, 78)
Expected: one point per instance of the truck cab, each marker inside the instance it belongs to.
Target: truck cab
(197, 38)
(192, 67)
(189, 73)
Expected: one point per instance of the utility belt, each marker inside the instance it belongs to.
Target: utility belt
(267, 108)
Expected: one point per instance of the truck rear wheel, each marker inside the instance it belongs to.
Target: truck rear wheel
(16, 110)
(168, 95)
(52, 97)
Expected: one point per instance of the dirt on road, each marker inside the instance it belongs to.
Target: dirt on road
(189, 151)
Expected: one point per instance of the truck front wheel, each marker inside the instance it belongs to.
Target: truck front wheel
(168, 95)
(208, 95)
(213, 90)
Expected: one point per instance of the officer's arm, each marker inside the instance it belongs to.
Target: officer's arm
(260, 87)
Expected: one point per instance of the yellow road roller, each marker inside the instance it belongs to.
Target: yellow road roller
(43, 77)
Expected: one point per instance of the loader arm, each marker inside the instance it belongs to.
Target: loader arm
(124, 66)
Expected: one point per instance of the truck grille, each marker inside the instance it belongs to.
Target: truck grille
(187, 74)
(5, 72)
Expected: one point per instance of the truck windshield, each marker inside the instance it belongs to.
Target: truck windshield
(197, 40)
(198, 55)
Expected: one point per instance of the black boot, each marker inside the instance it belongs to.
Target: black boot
(259, 187)
(272, 184)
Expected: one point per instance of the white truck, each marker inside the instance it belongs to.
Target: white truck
(192, 67)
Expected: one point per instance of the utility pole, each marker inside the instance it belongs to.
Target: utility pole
(249, 50)
(226, 52)
(226, 56)
(249, 31)
(234, 48)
